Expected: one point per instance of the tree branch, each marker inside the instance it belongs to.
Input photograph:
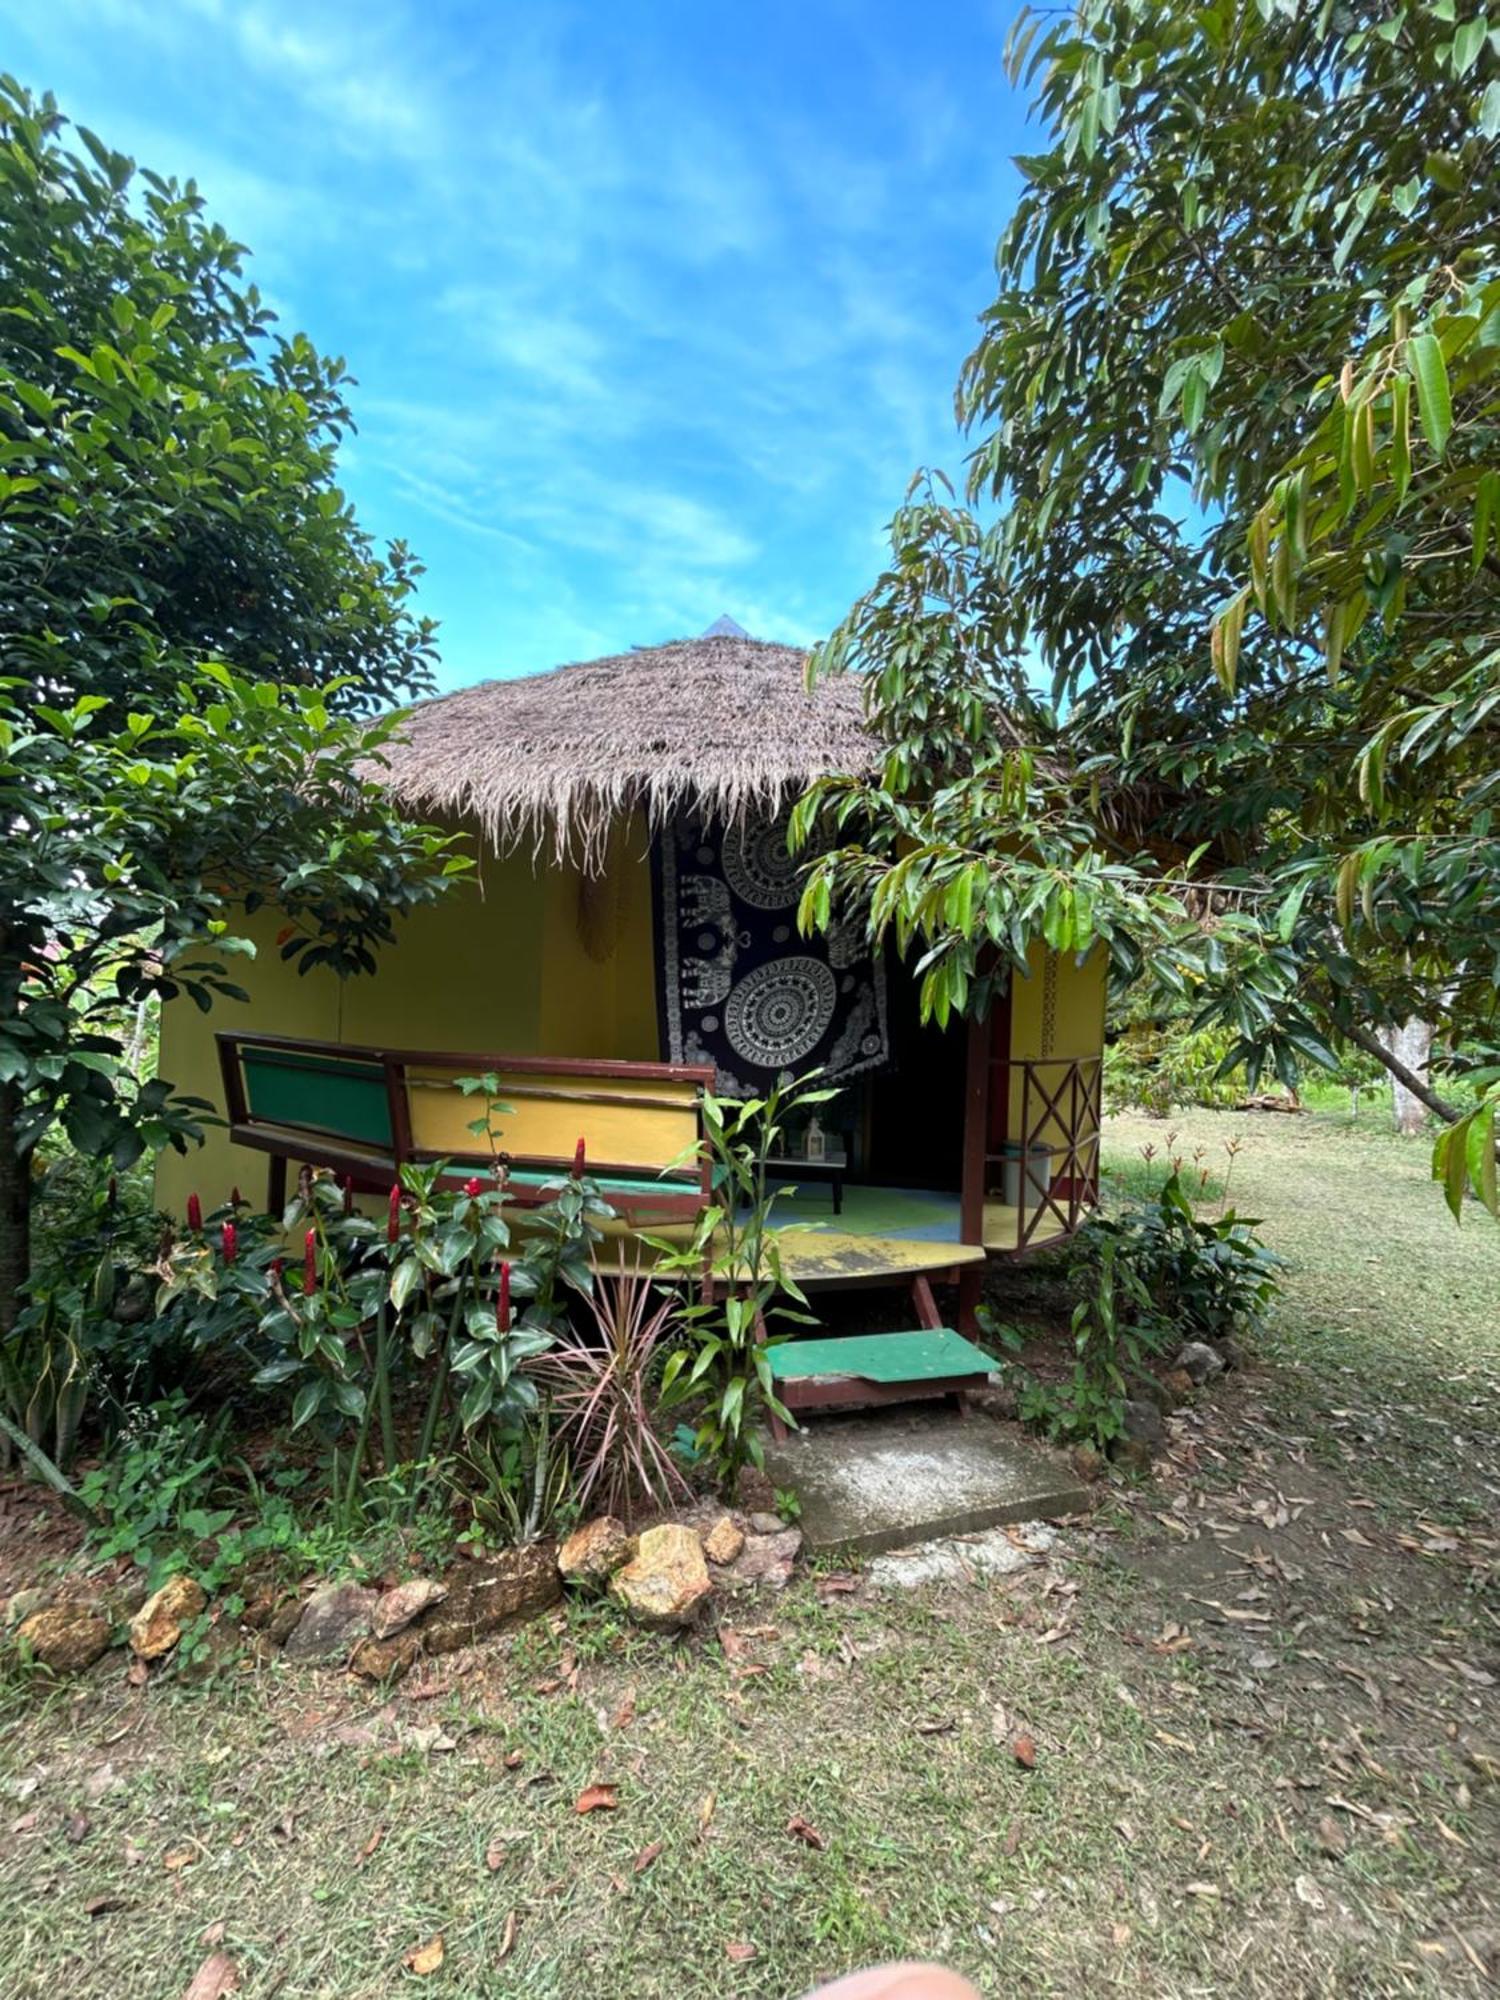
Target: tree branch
(1408, 1078)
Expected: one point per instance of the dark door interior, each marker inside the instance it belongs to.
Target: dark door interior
(914, 1109)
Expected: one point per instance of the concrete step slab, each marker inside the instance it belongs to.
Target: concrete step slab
(885, 1480)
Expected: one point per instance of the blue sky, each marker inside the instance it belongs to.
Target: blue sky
(654, 307)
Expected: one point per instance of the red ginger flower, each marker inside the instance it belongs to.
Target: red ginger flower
(310, 1264)
(231, 1242)
(393, 1219)
(473, 1187)
(195, 1213)
(578, 1161)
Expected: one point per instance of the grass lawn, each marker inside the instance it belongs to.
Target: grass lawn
(1262, 1692)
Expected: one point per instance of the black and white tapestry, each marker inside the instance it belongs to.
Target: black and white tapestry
(739, 987)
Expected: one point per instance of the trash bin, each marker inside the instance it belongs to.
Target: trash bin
(1027, 1168)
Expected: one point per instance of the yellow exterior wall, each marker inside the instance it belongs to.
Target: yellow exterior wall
(522, 961)
(1056, 1017)
(1059, 1009)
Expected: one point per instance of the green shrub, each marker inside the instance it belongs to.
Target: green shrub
(1155, 1066)
(1191, 1276)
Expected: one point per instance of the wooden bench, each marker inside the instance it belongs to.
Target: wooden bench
(364, 1113)
(872, 1370)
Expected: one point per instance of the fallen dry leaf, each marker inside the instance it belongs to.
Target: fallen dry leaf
(803, 1830)
(706, 1810)
(647, 1855)
(741, 1954)
(79, 1827)
(100, 1906)
(514, 1759)
(215, 1977)
(598, 1798)
(371, 1844)
(425, 1958)
(1012, 1839)
(1332, 1838)
(179, 1858)
(25, 1823)
(1308, 1892)
(624, 1715)
(213, 1933)
(1024, 1752)
(137, 1674)
(507, 1939)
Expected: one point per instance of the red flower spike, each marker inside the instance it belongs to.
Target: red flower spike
(236, 1199)
(502, 1303)
(393, 1219)
(578, 1161)
(231, 1242)
(310, 1264)
(473, 1187)
(195, 1213)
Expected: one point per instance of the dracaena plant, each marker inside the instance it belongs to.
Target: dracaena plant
(725, 1364)
(600, 1382)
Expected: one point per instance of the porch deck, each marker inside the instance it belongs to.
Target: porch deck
(886, 1232)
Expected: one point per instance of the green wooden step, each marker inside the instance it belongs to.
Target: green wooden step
(927, 1355)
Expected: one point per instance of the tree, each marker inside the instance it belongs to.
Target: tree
(1235, 407)
(192, 626)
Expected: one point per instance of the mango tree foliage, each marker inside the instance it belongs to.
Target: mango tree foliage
(191, 624)
(975, 840)
(1234, 409)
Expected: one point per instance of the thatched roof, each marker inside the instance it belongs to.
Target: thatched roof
(724, 723)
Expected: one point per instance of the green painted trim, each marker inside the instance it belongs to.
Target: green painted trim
(344, 1100)
(924, 1356)
(610, 1183)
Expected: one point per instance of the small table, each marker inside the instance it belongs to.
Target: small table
(832, 1167)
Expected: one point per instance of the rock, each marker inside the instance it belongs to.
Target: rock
(222, 1647)
(1132, 1455)
(1200, 1361)
(766, 1524)
(157, 1626)
(1143, 1423)
(1229, 1353)
(332, 1619)
(994, 1399)
(385, 1659)
(1155, 1392)
(1180, 1384)
(24, 1604)
(486, 1597)
(135, 1300)
(1087, 1463)
(65, 1637)
(753, 1489)
(282, 1622)
(768, 1558)
(667, 1582)
(398, 1607)
(724, 1540)
(591, 1554)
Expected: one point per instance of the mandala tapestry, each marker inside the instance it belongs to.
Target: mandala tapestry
(739, 988)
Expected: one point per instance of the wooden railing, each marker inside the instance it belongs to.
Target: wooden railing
(1037, 1150)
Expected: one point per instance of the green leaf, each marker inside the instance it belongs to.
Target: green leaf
(1424, 356)
(307, 1402)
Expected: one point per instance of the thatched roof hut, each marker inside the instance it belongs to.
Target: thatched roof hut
(724, 723)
